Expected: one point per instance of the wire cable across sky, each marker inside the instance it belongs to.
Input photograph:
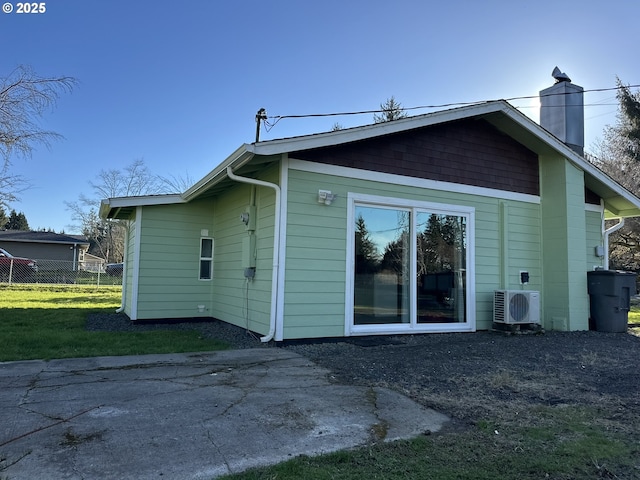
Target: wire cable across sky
(269, 125)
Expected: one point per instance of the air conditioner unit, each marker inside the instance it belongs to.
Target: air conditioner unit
(516, 306)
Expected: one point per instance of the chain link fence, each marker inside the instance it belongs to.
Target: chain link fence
(15, 270)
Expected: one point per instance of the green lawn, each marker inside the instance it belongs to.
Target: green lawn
(45, 322)
(634, 319)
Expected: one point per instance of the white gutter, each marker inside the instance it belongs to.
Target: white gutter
(608, 232)
(276, 249)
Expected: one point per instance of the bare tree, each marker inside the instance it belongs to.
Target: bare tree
(11, 186)
(24, 98)
(176, 184)
(107, 236)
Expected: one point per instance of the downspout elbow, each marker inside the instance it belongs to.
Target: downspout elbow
(608, 232)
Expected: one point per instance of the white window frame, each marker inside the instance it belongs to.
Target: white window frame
(414, 206)
(206, 259)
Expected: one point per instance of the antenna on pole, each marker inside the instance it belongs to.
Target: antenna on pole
(261, 115)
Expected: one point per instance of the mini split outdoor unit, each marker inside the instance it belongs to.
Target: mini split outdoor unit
(516, 306)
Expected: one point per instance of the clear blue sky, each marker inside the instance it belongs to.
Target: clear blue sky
(178, 84)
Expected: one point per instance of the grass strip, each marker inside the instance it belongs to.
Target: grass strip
(45, 322)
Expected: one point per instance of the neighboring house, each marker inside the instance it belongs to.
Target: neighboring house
(402, 227)
(51, 250)
(93, 263)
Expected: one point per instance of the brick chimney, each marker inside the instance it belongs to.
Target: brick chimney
(562, 111)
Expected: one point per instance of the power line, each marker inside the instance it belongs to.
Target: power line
(277, 118)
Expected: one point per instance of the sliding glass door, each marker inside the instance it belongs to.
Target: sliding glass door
(410, 266)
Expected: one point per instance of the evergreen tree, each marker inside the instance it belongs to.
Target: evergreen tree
(3, 218)
(618, 155)
(366, 251)
(629, 122)
(17, 221)
(391, 110)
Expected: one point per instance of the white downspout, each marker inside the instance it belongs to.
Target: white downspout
(608, 232)
(276, 250)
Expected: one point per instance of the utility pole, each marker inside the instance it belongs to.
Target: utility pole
(261, 115)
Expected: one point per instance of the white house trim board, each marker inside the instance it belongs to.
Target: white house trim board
(135, 277)
(282, 246)
(115, 204)
(354, 199)
(589, 207)
(356, 173)
(125, 263)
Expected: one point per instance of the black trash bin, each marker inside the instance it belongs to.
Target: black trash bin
(610, 293)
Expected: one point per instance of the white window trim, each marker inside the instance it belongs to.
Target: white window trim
(201, 258)
(354, 199)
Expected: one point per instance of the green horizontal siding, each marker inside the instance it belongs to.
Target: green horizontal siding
(234, 300)
(315, 278)
(169, 257)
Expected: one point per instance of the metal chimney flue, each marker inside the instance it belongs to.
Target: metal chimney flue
(562, 111)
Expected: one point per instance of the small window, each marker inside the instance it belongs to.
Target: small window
(206, 258)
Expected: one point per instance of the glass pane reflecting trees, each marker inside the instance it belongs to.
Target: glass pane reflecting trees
(391, 250)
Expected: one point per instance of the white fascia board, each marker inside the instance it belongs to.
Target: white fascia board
(238, 158)
(141, 201)
(109, 204)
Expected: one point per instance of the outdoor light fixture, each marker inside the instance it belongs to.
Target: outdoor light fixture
(326, 197)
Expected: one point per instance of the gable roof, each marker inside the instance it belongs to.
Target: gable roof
(41, 237)
(618, 201)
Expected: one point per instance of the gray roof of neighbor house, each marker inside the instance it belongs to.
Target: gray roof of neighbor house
(42, 237)
(249, 158)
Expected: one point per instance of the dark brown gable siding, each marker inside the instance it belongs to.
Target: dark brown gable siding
(470, 152)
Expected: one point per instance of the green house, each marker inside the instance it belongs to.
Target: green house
(403, 227)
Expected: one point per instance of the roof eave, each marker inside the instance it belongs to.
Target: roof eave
(110, 206)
